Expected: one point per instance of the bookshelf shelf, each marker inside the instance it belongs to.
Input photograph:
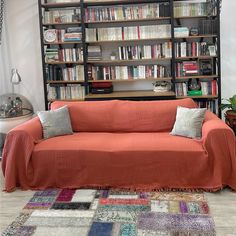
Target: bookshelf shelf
(126, 21)
(150, 36)
(117, 62)
(195, 57)
(65, 62)
(61, 43)
(199, 97)
(131, 80)
(61, 5)
(198, 36)
(123, 94)
(62, 24)
(128, 41)
(66, 100)
(196, 77)
(66, 82)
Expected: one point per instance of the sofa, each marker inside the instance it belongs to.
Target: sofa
(123, 145)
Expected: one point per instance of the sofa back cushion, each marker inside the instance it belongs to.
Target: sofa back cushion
(124, 116)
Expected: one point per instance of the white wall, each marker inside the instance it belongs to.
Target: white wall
(228, 48)
(24, 49)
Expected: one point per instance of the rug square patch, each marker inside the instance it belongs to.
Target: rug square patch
(58, 221)
(159, 206)
(61, 231)
(25, 231)
(193, 208)
(142, 232)
(42, 200)
(65, 195)
(110, 201)
(176, 223)
(139, 208)
(116, 216)
(174, 207)
(35, 205)
(71, 205)
(63, 213)
(47, 193)
(128, 230)
(84, 195)
(94, 204)
(100, 229)
(123, 196)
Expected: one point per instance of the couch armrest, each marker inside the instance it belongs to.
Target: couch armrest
(220, 143)
(17, 151)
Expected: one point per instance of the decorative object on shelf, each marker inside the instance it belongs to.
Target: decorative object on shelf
(161, 86)
(206, 67)
(194, 87)
(212, 50)
(230, 115)
(1, 18)
(113, 56)
(194, 31)
(50, 35)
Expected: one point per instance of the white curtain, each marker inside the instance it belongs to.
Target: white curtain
(5, 64)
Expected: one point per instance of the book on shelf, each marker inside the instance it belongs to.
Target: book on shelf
(206, 88)
(210, 105)
(194, 49)
(67, 15)
(127, 12)
(127, 72)
(64, 55)
(94, 53)
(191, 8)
(187, 68)
(128, 33)
(58, 73)
(62, 92)
(162, 50)
(181, 32)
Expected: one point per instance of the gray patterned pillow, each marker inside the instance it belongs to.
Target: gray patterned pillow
(189, 122)
(55, 122)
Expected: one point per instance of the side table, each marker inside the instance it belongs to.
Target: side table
(230, 119)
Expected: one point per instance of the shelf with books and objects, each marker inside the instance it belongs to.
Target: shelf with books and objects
(140, 45)
(61, 26)
(197, 52)
(141, 48)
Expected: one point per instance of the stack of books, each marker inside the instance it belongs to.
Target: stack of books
(73, 34)
(187, 68)
(94, 53)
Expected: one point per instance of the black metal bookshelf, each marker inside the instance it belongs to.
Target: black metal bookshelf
(173, 20)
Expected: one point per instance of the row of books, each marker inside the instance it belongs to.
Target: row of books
(187, 68)
(94, 53)
(62, 16)
(186, 49)
(62, 92)
(128, 12)
(162, 50)
(127, 72)
(58, 73)
(64, 55)
(62, 35)
(210, 105)
(190, 9)
(206, 88)
(128, 33)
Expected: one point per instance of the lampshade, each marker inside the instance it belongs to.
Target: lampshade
(15, 77)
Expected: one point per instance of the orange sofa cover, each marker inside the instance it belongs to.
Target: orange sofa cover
(121, 144)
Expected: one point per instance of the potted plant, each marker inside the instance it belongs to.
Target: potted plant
(230, 115)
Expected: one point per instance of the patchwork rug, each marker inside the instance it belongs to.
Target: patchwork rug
(112, 213)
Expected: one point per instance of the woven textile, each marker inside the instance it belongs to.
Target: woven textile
(113, 213)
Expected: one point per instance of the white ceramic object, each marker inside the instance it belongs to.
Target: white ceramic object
(7, 124)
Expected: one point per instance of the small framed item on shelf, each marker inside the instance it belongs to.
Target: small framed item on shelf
(206, 67)
(50, 35)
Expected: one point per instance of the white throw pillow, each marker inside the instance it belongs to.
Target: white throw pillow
(189, 122)
(55, 122)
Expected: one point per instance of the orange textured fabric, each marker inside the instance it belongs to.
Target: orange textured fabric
(122, 159)
(123, 116)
